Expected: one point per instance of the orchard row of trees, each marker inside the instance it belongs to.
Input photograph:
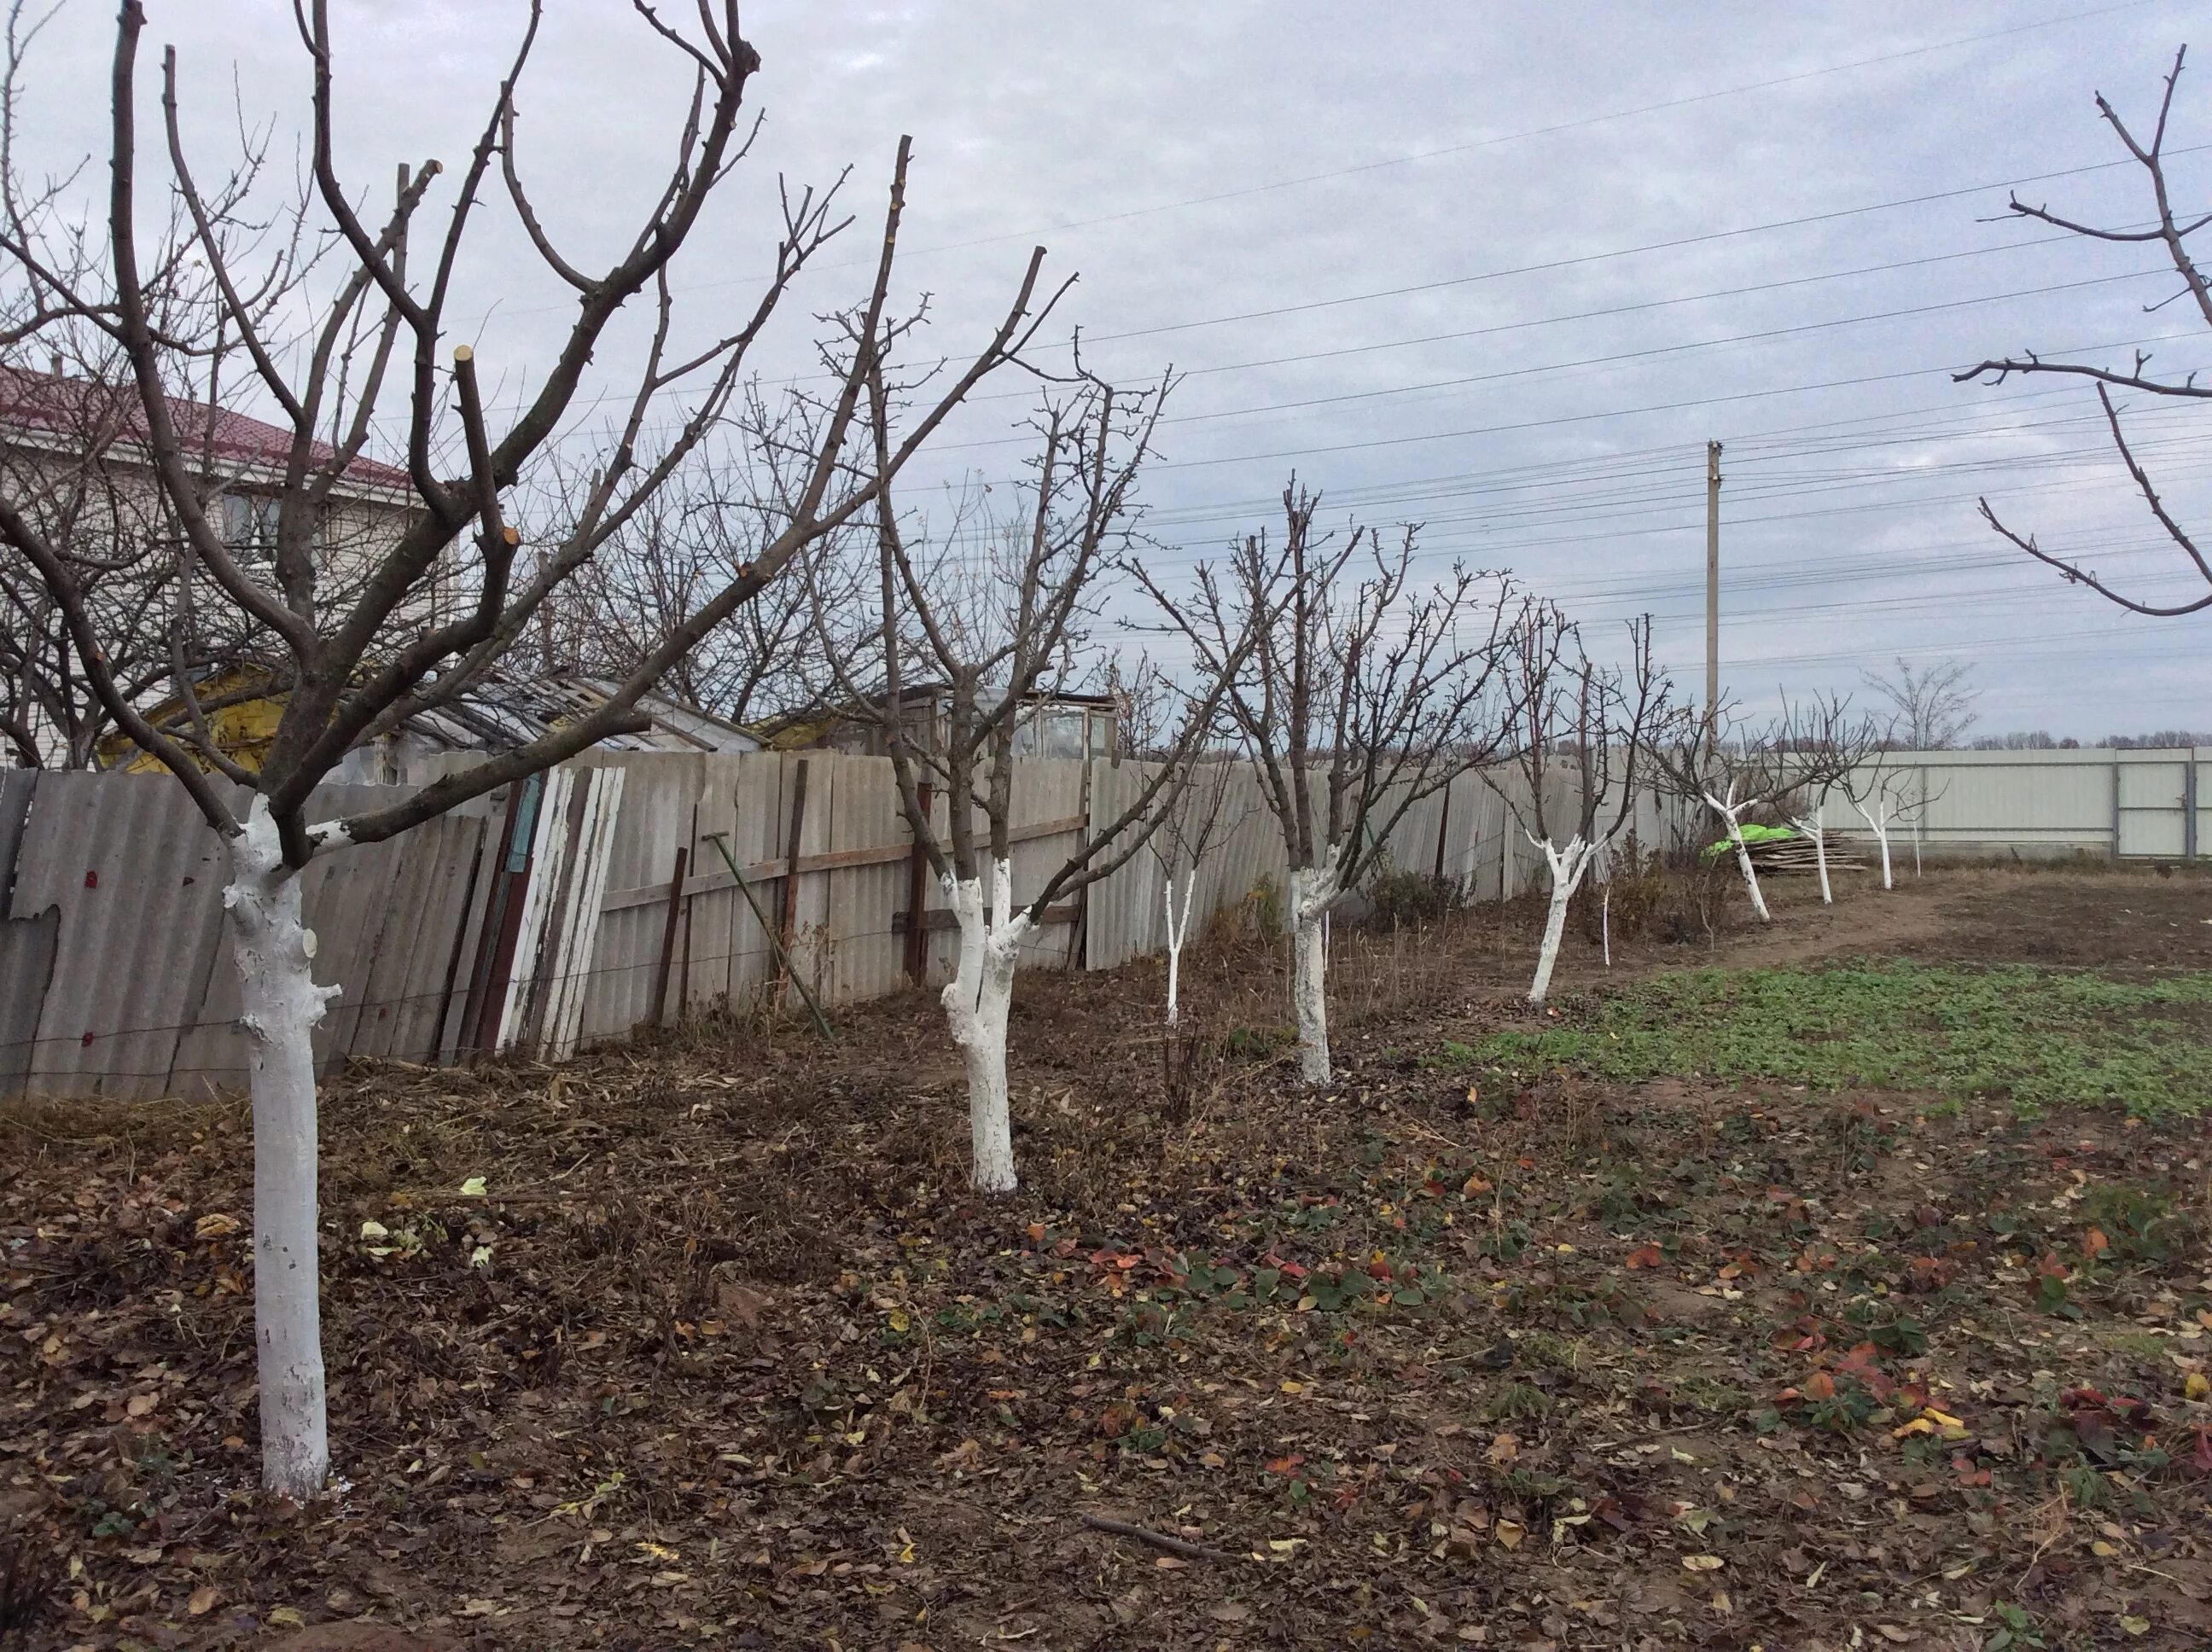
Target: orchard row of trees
(745, 543)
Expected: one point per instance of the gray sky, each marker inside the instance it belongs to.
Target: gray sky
(1317, 211)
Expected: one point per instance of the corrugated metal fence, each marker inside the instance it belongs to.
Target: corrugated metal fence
(599, 898)
(2125, 805)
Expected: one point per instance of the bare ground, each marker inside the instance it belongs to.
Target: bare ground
(729, 1356)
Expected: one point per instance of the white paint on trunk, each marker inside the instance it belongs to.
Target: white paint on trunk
(1602, 861)
(1566, 866)
(1176, 931)
(274, 953)
(1314, 890)
(1732, 812)
(1817, 830)
(976, 1001)
(1877, 820)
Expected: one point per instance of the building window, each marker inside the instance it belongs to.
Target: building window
(249, 526)
(1064, 731)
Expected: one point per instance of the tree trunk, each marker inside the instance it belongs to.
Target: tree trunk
(1819, 833)
(282, 1005)
(1175, 933)
(1743, 864)
(1877, 822)
(976, 1001)
(1311, 893)
(1566, 867)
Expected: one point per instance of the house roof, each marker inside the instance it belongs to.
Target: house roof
(503, 710)
(58, 405)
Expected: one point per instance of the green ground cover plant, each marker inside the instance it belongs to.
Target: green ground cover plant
(2040, 1038)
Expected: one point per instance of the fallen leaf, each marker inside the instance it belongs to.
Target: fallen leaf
(1509, 1532)
(1702, 1563)
(2198, 1387)
(1504, 1449)
(214, 1226)
(140, 1404)
(201, 1602)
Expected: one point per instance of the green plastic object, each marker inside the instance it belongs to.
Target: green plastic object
(1751, 834)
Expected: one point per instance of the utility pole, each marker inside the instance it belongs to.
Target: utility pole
(1712, 586)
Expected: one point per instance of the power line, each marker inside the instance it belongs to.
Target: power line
(1583, 418)
(1519, 269)
(1627, 356)
(1550, 265)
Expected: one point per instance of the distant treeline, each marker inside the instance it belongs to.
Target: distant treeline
(2041, 740)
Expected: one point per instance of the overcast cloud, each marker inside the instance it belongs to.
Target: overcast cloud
(1200, 162)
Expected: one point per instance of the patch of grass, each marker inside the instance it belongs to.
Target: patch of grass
(2040, 1038)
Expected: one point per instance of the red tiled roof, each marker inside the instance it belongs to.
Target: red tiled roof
(62, 406)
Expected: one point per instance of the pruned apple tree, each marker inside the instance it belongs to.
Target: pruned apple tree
(1195, 821)
(1590, 724)
(333, 317)
(980, 615)
(1362, 689)
(1739, 769)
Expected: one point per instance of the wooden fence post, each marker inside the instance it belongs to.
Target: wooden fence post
(668, 938)
(1077, 932)
(1443, 827)
(917, 898)
(787, 923)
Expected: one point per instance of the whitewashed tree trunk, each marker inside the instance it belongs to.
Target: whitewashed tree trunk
(1176, 931)
(1313, 890)
(1602, 858)
(1567, 866)
(1816, 829)
(282, 1006)
(976, 1001)
(1877, 820)
(1730, 812)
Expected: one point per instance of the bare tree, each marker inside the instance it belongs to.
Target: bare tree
(1364, 693)
(689, 542)
(1196, 820)
(988, 610)
(1739, 769)
(1885, 795)
(2171, 232)
(1601, 717)
(324, 317)
(50, 715)
(1931, 709)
